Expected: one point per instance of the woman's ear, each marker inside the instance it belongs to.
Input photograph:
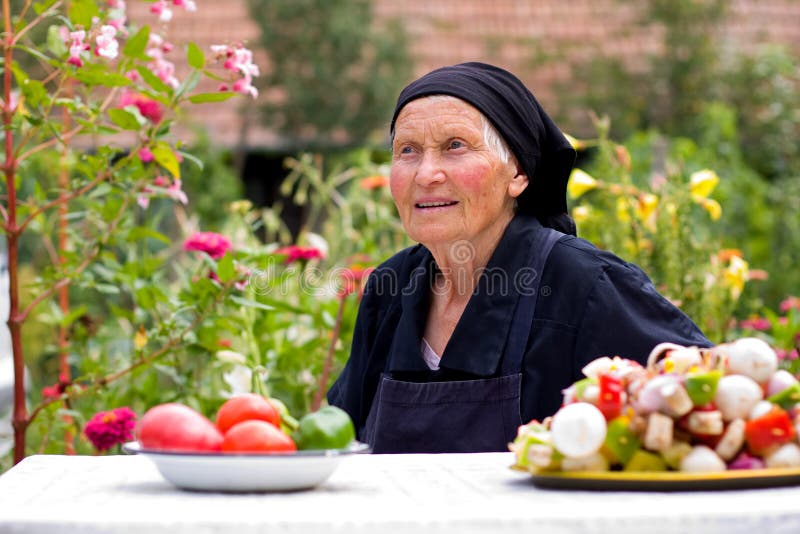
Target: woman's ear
(517, 184)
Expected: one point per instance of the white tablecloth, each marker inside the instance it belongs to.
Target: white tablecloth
(458, 493)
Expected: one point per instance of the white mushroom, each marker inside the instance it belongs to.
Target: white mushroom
(786, 456)
(702, 459)
(750, 356)
(736, 395)
(578, 430)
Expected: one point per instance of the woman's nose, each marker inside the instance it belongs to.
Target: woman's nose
(430, 170)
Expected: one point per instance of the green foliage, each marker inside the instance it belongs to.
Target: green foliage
(336, 73)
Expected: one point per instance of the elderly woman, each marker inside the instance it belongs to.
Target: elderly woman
(478, 328)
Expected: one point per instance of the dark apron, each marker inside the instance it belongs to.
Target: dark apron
(464, 415)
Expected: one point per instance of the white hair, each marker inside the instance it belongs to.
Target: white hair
(491, 137)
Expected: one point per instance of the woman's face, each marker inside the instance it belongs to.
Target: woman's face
(448, 185)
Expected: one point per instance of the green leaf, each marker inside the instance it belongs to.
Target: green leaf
(165, 157)
(108, 289)
(98, 75)
(241, 301)
(34, 92)
(55, 44)
(153, 80)
(195, 56)
(139, 233)
(137, 44)
(190, 157)
(203, 98)
(225, 268)
(73, 315)
(188, 83)
(124, 119)
(82, 11)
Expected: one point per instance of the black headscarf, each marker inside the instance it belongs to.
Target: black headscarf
(541, 149)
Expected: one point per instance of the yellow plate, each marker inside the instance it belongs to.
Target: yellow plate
(665, 480)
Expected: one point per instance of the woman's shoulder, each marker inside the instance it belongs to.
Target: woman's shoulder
(573, 253)
(389, 277)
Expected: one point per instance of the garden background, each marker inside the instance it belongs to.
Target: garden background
(231, 257)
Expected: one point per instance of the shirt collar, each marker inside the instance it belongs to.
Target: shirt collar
(479, 339)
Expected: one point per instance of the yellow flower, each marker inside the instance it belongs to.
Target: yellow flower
(140, 339)
(581, 213)
(712, 207)
(623, 210)
(702, 183)
(646, 206)
(577, 144)
(735, 275)
(580, 182)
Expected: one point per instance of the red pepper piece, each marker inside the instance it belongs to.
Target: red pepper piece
(771, 429)
(609, 401)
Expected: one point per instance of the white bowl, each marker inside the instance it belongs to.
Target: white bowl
(213, 471)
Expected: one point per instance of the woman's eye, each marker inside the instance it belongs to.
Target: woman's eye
(456, 145)
(406, 150)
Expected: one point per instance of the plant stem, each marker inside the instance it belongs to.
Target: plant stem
(322, 385)
(19, 419)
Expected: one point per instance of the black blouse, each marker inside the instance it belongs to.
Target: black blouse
(591, 304)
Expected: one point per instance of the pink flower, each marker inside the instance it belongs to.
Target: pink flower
(790, 303)
(13, 102)
(146, 155)
(188, 5)
(761, 324)
(213, 244)
(161, 9)
(107, 45)
(51, 392)
(294, 253)
(238, 60)
(106, 429)
(149, 108)
(76, 47)
(175, 192)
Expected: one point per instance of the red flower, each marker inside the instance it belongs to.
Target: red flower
(213, 244)
(149, 108)
(51, 392)
(294, 253)
(106, 429)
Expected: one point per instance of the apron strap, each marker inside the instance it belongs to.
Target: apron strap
(543, 243)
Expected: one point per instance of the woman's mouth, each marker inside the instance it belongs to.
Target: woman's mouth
(435, 204)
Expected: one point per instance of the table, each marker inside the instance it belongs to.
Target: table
(375, 494)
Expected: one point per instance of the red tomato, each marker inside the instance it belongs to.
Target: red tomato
(176, 427)
(256, 436)
(244, 408)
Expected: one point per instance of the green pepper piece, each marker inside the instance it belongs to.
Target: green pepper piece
(620, 442)
(703, 386)
(787, 398)
(327, 428)
(643, 460)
